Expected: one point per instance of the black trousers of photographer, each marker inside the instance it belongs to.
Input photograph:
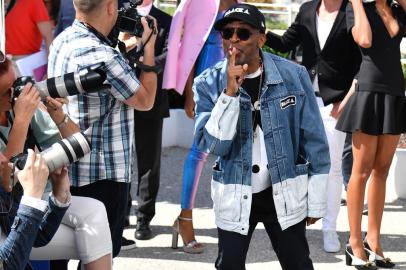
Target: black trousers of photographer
(290, 245)
(148, 144)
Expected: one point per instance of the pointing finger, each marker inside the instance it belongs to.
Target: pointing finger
(232, 53)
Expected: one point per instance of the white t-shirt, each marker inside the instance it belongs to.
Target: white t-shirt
(260, 180)
(260, 177)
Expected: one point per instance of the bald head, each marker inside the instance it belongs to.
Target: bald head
(100, 14)
(88, 6)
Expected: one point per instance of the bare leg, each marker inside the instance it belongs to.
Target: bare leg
(376, 189)
(103, 263)
(186, 227)
(364, 150)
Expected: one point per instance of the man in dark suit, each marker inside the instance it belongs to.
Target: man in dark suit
(332, 59)
(148, 131)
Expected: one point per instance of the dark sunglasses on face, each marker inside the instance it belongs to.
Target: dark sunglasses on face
(242, 33)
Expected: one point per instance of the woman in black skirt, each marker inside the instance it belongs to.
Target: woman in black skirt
(375, 116)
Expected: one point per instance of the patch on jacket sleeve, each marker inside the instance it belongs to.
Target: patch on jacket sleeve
(288, 101)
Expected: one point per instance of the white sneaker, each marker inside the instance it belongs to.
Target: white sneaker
(331, 242)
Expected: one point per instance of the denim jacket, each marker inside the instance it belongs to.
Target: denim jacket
(30, 228)
(295, 142)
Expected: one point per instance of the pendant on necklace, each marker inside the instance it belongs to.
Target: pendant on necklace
(257, 105)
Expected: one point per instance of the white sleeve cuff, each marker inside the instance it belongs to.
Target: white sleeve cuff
(58, 203)
(34, 203)
(224, 117)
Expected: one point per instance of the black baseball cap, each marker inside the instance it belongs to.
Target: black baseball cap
(245, 13)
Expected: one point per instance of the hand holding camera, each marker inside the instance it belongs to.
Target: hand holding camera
(26, 104)
(34, 176)
(150, 31)
(54, 108)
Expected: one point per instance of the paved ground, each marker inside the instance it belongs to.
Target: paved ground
(157, 254)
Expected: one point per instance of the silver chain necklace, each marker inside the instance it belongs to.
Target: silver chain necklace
(257, 103)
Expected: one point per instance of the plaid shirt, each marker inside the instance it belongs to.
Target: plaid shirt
(103, 117)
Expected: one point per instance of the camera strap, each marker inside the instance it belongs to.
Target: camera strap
(134, 55)
(99, 35)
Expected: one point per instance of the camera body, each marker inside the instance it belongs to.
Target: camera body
(129, 20)
(88, 79)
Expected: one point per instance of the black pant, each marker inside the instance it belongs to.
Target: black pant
(290, 245)
(114, 197)
(148, 143)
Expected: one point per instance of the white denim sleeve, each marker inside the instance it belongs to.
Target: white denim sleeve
(224, 118)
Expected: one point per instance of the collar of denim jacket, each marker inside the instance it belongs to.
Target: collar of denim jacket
(272, 75)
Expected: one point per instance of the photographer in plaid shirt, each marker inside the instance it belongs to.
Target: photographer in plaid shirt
(106, 116)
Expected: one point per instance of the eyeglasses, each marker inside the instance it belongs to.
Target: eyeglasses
(242, 33)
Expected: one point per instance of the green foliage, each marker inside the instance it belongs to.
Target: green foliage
(273, 24)
(267, 49)
(168, 10)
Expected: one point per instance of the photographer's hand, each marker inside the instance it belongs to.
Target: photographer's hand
(149, 36)
(61, 185)
(54, 108)
(24, 109)
(26, 104)
(144, 98)
(34, 176)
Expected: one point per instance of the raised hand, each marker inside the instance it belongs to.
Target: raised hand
(55, 108)
(149, 32)
(26, 104)
(235, 73)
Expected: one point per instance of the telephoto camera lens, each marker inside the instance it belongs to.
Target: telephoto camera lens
(88, 79)
(61, 153)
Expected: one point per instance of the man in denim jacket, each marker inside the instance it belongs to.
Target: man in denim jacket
(257, 112)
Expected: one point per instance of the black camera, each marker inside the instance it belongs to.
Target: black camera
(61, 153)
(130, 21)
(88, 79)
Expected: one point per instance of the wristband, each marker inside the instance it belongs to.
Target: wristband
(64, 121)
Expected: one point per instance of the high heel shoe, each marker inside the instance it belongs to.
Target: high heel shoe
(378, 260)
(358, 263)
(193, 246)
